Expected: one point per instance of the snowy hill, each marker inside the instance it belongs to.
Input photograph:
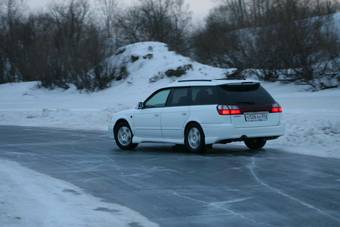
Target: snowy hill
(313, 122)
(142, 64)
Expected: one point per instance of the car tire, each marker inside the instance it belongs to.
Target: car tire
(123, 136)
(255, 144)
(195, 139)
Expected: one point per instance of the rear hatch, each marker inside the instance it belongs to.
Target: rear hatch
(256, 105)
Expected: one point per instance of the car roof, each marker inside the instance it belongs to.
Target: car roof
(205, 82)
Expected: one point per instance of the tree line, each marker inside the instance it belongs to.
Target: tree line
(295, 37)
(67, 43)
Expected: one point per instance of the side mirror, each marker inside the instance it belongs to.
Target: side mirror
(141, 105)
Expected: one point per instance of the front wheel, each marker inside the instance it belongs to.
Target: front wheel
(255, 144)
(123, 136)
(194, 139)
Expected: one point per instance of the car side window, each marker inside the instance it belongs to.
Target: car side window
(180, 97)
(158, 100)
(205, 95)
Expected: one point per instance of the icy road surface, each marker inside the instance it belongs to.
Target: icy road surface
(227, 187)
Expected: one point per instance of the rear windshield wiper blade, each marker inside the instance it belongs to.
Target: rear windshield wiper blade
(248, 103)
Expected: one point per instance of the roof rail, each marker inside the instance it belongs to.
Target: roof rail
(183, 81)
(230, 79)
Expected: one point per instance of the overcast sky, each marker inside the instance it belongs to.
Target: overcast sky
(200, 8)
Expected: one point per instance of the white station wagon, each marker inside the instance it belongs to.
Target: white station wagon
(200, 113)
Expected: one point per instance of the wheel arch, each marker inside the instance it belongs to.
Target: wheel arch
(193, 122)
(202, 147)
(120, 120)
(130, 145)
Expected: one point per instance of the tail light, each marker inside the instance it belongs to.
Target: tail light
(228, 110)
(276, 108)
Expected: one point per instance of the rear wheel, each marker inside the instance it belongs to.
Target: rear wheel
(194, 139)
(123, 136)
(255, 144)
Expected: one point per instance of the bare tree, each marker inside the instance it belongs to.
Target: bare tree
(63, 46)
(296, 40)
(109, 10)
(77, 44)
(156, 20)
(269, 34)
(11, 14)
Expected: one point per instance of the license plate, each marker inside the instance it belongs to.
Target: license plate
(251, 117)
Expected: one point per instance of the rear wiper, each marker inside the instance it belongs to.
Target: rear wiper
(248, 103)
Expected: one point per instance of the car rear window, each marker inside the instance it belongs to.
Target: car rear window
(244, 94)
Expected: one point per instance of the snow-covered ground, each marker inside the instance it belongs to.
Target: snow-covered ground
(28, 198)
(313, 118)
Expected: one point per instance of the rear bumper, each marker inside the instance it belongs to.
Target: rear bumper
(223, 133)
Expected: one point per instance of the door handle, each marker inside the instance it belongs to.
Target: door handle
(184, 114)
(156, 115)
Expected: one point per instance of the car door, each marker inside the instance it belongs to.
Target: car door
(176, 113)
(147, 121)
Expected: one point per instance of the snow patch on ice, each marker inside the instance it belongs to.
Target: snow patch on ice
(28, 198)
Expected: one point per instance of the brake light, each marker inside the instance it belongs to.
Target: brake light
(276, 108)
(228, 110)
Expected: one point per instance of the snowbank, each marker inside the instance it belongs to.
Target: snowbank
(312, 120)
(28, 198)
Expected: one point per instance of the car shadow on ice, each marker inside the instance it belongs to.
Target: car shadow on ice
(217, 150)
